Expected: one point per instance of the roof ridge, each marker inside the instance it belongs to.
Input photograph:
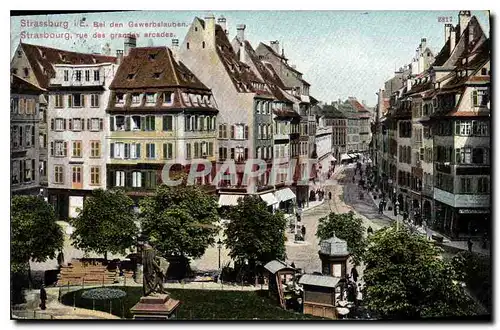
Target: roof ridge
(174, 69)
(64, 50)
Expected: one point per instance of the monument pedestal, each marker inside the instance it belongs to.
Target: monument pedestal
(155, 307)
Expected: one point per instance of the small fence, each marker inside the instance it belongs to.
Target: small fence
(29, 315)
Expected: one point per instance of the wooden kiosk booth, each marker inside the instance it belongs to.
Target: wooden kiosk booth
(280, 274)
(333, 254)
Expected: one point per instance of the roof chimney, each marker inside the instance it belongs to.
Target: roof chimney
(463, 20)
(210, 29)
(423, 44)
(130, 42)
(275, 45)
(222, 22)
(119, 56)
(447, 31)
(453, 37)
(175, 47)
(240, 32)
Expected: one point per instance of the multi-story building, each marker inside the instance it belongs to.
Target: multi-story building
(24, 142)
(78, 95)
(298, 88)
(364, 124)
(335, 119)
(353, 136)
(285, 121)
(35, 64)
(460, 124)
(159, 112)
(441, 116)
(245, 113)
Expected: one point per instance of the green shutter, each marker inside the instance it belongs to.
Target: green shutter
(111, 123)
(112, 150)
(170, 151)
(164, 146)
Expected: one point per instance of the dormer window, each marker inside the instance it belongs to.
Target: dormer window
(484, 72)
(168, 97)
(63, 57)
(130, 76)
(19, 54)
(136, 99)
(152, 56)
(43, 54)
(156, 75)
(150, 98)
(120, 99)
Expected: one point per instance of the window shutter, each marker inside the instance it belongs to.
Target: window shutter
(152, 119)
(64, 124)
(70, 101)
(101, 124)
(128, 179)
(127, 150)
(112, 150)
(111, 123)
(83, 124)
(65, 149)
(246, 132)
(148, 154)
(246, 153)
(170, 153)
(70, 124)
(138, 150)
(82, 98)
(52, 148)
(143, 123)
(221, 153)
(164, 145)
(210, 148)
(52, 124)
(127, 123)
(232, 153)
(232, 131)
(164, 123)
(88, 124)
(220, 131)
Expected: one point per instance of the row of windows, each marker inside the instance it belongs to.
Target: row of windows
(77, 175)
(76, 100)
(404, 155)
(22, 106)
(472, 128)
(121, 150)
(133, 179)
(237, 131)
(23, 171)
(77, 124)
(59, 148)
(465, 185)
(22, 136)
(76, 75)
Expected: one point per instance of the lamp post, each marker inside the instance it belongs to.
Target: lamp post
(219, 247)
(396, 208)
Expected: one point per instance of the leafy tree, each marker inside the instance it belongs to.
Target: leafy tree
(347, 227)
(180, 220)
(35, 235)
(106, 223)
(406, 278)
(254, 233)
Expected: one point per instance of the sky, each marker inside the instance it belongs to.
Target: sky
(340, 53)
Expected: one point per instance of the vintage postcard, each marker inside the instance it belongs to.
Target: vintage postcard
(216, 165)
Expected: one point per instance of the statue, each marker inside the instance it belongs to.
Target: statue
(154, 271)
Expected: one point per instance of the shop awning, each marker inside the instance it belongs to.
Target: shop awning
(284, 195)
(345, 157)
(269, 199)
(229, 200)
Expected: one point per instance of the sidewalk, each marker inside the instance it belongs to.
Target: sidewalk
(459, 244)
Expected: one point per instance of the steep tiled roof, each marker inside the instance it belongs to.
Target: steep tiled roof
(20, 86)
(270, 49)
(240, 73)
(153, 67)
(330, 111)
(42, 58)
(273, 82)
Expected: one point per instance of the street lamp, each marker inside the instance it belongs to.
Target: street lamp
(396, 210)
(219, 247)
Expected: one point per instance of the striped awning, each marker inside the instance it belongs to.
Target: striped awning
(284, 195)
(229, 200)
(269, 199)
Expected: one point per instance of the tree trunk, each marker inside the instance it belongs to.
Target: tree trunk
(106, 256)
(30, 279)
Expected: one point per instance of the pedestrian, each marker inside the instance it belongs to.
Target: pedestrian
(369, 230)
(380, 207)
(354, 178)
(303, 230)
(359, 296)
(330, 195)
(469, 245)
(354, 274)
(384, 204)
(485, 241)
(43, 297)
(292, 265)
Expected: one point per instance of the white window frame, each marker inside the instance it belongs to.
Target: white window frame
(150, 98)
(58, 101)
(94, 100)
(120, 179)
(136, 179)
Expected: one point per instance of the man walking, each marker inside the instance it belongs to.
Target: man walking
(303, 230)
(469, 245)
(43, 298)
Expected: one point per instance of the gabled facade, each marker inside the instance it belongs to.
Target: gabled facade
(244, 104)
